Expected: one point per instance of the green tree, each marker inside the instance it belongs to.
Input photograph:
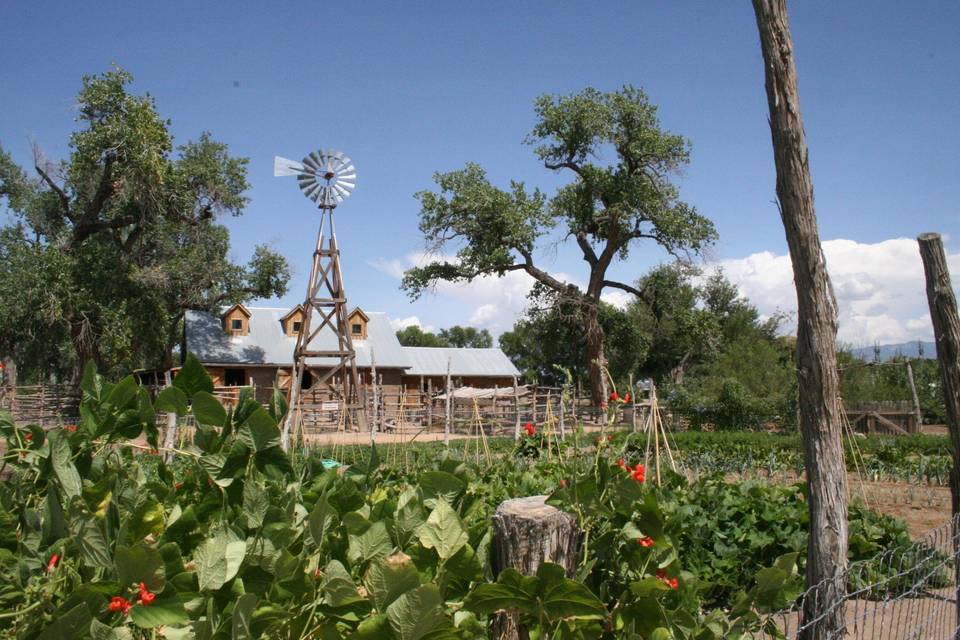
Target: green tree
(458, 336)
(550, 336)
(606, 208)
(109, 247)
(414, 336)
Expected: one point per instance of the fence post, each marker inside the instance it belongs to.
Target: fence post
(946, 333)
(170, 437)
(916, 400)
(374, 424)
(429, 403)
(516, 406)
(449, 416)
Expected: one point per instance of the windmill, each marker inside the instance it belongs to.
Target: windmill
(327, 177)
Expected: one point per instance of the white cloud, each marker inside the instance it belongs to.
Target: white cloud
(618, 298)
(410, 321)
(495, 303)
(879, 287)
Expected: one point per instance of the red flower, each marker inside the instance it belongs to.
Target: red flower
(145, 596)
(530, 429)
(178, 486)
(563, 483)
(662, 577)
(610, 438)
(70, 427)
(626, 397)
(317, 573)
(646, 541)
(52, 563)
(638, 473)
(28, 437)
(119, 603)
(621, 463)
(614, 397)
(603, 405)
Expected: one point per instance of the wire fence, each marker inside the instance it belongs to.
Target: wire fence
(907, 592)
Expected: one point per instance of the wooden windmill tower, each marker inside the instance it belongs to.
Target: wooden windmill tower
(326, 177)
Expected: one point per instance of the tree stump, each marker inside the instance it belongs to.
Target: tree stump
(526, 533)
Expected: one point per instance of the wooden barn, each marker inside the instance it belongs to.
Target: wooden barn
(253, 346)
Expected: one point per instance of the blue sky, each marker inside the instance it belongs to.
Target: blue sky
(407, 89)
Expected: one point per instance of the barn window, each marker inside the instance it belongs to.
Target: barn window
(235, 377)
(307, 380)
(357, 329)
(236, 324)
(296, 326)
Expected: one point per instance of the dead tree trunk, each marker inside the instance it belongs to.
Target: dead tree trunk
(526, 533)
(946, 334)
(816, 328)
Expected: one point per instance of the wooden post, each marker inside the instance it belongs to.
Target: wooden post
(374, 424)
(429, 403)
(533, 410)
(946, 335)
(563, 425)
(821, 426)
(170, 437)
(526, 533)
(633, 405)
(516, 407)
(916, 401)
(449, 414)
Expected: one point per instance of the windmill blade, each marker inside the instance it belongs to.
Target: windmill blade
(286, 167)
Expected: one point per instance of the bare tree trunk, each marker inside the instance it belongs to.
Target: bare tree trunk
(946, 334)
(816, 329)
(596, 361)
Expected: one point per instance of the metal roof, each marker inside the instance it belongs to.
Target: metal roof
(266, 343)
(432, 361)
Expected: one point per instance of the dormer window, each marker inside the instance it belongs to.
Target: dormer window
(358, 324)
(236, 320)
(293, 321)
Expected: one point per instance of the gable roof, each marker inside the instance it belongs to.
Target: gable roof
(266, 343)
(359, 311)
(296, 309)
(239, 306)
(432, 361)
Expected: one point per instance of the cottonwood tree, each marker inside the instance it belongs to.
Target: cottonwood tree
(107, 248)
(817, 376)
(621, 162)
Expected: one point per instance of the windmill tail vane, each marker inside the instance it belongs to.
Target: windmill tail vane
(327, 177)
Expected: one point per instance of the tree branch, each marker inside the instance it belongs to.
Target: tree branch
(64, 200)
(104, 191)
(588, 253)
(640, 293)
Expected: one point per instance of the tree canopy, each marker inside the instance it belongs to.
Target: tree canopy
(108, 247)
(455, 336)
(605, 209)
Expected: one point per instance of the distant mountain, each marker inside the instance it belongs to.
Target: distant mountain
(890, 351)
